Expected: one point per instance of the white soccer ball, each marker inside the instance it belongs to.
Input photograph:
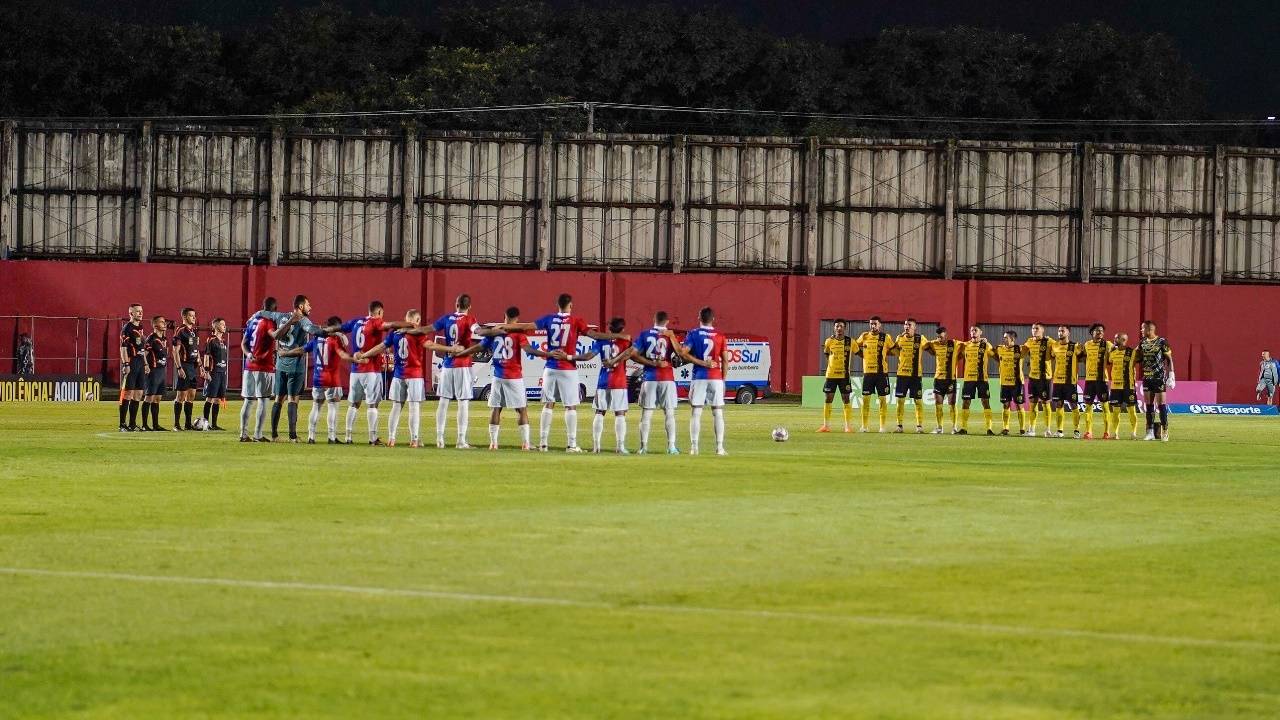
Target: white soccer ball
(200, 424)
(780, 434)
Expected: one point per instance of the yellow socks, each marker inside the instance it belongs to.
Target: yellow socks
(848, 414)
(1022, 420)
(902, 409)
(826, 413)
(986, 416)
(919, 414)
(1004, 416)
(1075, 418)
(884, 412)
(1088, 419)
(1133, 419)
(964, 418)
(937, 413)
(1062, 418)
(1034, 413)
(866, 413)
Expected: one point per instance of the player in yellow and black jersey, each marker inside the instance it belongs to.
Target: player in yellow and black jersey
(944, 350)
(1095, 352)
(839, 349)
(1009, 357)
(873, 346)
(975, 354)
(909, 347)
(1123, 361)
(1039, 374)
(1066, 370)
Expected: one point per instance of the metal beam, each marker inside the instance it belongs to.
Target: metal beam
(1086, 211)
(679, 171)
(811, 171)
(1219, 212)
(546, 188)
(950, 178)
(408, 199)
(8, 167)
(275, 205)
(143, 219)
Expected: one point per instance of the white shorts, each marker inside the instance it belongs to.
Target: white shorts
(366, 387)
(706, 392)
(610, 400)
(658, 394)
(329, 394)
(560, 386)
(455, 384)
(507, 394)
(257, 384)
(408, 390)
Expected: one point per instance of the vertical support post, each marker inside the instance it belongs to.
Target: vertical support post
(409, 199)
(8, 170)
(679, 167)
(811, 163)
(143, 219)
(275, 221)
(1086, 211)
(546, 188)
(950, 179)
(1219, 212)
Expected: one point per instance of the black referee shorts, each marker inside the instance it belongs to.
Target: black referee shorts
(189, 382)
(135, 378)
(215, 388)
(155, 381)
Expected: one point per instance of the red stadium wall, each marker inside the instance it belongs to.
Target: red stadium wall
(1217, 332)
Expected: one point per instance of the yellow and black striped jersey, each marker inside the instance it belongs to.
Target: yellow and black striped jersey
(1036, 350)
(874, 349)
(1065, 368)
(945, 353)
(1122, 358)
(910, 352)
(838, 352)
(1009, 358)
(1095, 353)
(975, 356)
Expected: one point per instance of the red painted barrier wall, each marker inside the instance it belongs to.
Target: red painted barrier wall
(1217, 332)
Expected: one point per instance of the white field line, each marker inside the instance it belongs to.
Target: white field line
(872, 620)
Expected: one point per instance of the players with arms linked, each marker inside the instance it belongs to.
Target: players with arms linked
(1039, 376)
(507, 350)
(1012, 395)
(1123, 361)
(975, 353)
(258, 346)
(1065, 353)
(839, 349)
(874, 346)
(456, 380)
(943, 349)
(907, 383)
(367, 333)
(708, 350)
(1095, 352)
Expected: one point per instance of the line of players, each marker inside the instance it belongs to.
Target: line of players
(1043, 370)
(275, 342)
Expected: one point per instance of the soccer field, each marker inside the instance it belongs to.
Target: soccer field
(876, 576)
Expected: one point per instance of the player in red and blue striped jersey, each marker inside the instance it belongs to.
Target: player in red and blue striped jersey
(259, 348)
(456, 381)
(710, 354)
(366, 334)
(560, 378)
(408, 349)
(327, 352)
(508, 390)
(611, 388)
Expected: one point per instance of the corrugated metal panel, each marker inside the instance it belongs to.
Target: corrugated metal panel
(1153, 214)
(476, 201)
(1252, 249)
(880, 208)
(611, 204)
(1015, 210)
(76, 192)
(745, 206)
(342, 199)
(211, 194)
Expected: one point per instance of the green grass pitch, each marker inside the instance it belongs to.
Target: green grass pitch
(859, 576)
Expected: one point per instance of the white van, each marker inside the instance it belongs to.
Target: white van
(747, 378)
(482, 370)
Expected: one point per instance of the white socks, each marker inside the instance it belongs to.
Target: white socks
(262, 416)
(351, 420)
(493, 434)
(312, 420)
(333, 420)
(415, 421)
(464, 418)
(372, 416)
(524, 435)
(669, 416)
(393, 423)
(544, 426)
(717, 418)
(619, 430)
(571, 426)
(695, 428)
(597, 431)
(646, 420)
(442, 417)
(245, 408)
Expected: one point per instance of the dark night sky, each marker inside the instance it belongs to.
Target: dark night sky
(1233, 44)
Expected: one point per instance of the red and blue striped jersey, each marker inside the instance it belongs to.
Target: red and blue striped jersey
(706, 344)
(562, 331)
(366, 334)
(456, 328)
(262, 347)
(507, 351)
